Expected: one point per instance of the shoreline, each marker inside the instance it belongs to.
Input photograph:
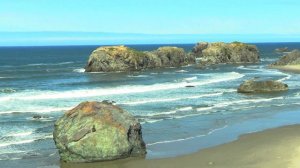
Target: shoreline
(276, 148)
(289, 68)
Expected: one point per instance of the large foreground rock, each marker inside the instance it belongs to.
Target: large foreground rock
(253, 86)
(98, 131)
(121, 58)
(218, 53)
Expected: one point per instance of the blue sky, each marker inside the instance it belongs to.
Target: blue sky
(275, 20)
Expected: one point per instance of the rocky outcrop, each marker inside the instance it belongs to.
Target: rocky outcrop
(253, 86)
(121, 58)
(284, 49)
(98, 131)
(217, 53)
(292, 58)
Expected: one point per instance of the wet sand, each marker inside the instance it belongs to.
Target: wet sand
(290, 68)
(274, 148)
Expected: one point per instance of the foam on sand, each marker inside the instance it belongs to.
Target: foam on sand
(188, 138)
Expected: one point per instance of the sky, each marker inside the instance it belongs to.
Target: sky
(275, 20)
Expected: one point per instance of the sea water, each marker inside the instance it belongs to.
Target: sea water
(176, 119)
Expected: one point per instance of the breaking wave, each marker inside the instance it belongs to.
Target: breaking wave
(127, 89)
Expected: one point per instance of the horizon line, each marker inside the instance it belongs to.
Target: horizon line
(139, 33)
(132, 44)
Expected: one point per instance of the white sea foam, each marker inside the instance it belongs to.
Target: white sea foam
(225, 104)
(206, 110)
(285, 78)
(188, 138)
(262, 69)
(152, 121)
(181, 71)
(43, 64)
(11, 158)
(191, 78)
(17, 142)
(170, 99)
(185, 108)
(161, 113)
(79, 70)
(20, 134)
(268, 59)
(138, 76)
(45, 95)
(36, 110)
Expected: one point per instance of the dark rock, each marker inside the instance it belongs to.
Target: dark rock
(189, 86)
(218, 53)
(37, 117)
(253, 86)
(98, 131)
(121, 58)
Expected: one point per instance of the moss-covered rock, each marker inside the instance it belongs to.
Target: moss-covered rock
(115, 58)
(254, 86)
(121, 58)
(219, 52)
(98, 131)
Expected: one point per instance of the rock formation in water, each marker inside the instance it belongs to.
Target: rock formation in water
(254, 86)
(121, 58)
(98, 131)
(218, 53)
(284, 49)
(292, 58)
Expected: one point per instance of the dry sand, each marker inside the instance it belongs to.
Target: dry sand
(275, 148)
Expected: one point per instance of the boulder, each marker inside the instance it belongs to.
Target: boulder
(253, 86)
(121, 58)
(98, 131)
(219, 52)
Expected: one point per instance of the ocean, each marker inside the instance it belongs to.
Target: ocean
(176, 120)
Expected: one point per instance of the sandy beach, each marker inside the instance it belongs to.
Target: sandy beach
(274, 148)
(290, 68)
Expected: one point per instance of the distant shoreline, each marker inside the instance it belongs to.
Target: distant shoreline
(276, 148)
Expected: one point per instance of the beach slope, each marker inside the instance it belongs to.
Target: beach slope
(274, 148)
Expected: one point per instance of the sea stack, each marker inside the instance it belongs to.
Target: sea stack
(98, 131)
(122, 58)
(290, 61)
(219, 52)
(254, 86)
